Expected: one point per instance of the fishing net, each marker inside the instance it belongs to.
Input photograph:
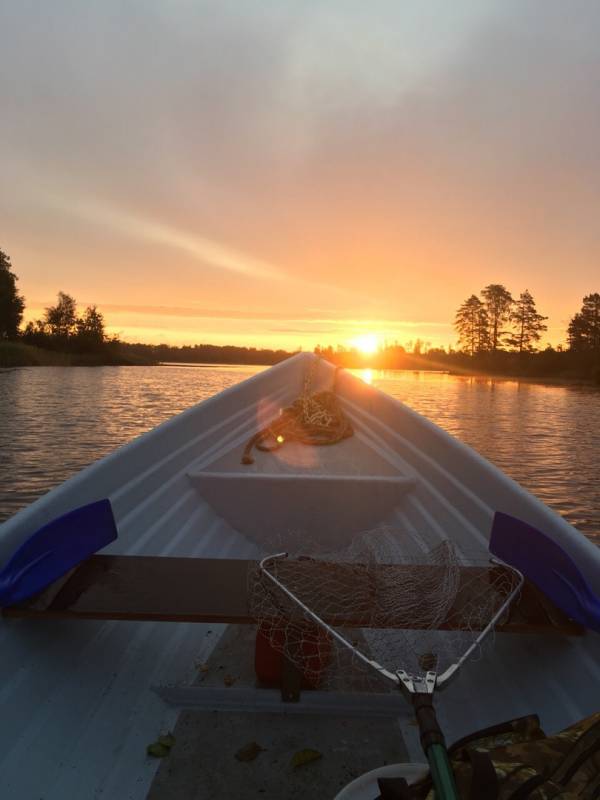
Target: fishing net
(352, 618)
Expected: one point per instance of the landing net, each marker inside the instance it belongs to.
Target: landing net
(350, 618)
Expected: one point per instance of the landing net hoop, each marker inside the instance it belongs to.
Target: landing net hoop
(448, 602)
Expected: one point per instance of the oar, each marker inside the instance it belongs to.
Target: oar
(548, 566)
(56, 548)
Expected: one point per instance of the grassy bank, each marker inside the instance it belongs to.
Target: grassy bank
(17, 354)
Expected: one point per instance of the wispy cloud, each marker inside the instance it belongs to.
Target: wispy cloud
(204, 250)
(313, 331)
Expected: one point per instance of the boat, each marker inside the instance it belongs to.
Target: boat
(81, 699)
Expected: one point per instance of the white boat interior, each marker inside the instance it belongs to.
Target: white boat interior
(80, 700)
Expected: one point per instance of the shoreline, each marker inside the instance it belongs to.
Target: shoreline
(14, 355)
(548, 380)
(533, 379)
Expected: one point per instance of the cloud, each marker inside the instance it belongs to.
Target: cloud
(206, 251)
(312, 331)
(380, 162)
(309, 317)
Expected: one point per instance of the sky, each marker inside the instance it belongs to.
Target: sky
(288, 173)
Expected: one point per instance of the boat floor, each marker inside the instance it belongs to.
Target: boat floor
(353, 456)
(81, 700)
(202, 763)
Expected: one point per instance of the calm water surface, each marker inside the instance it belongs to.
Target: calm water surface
(54, 421)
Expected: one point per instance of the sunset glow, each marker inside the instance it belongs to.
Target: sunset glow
(295, 175)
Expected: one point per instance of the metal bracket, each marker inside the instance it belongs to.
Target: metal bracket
(314, 702)
(417, 684)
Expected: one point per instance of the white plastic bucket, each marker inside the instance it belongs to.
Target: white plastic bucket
(365, 786)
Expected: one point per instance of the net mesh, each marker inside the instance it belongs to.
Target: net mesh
(390, 601)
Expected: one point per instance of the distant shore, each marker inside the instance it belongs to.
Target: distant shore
(490, 376)
(550, 380)
(17, 354)
(547, 366)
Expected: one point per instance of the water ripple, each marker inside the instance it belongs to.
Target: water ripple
(55, 420)
(545, 437)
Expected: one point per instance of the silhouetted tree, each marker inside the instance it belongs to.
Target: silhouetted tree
(528, 324)
(36, 333)
(584, 327)
(61, 319)
(498, 302)
(471, 322)
(11, 302)
(90, 328)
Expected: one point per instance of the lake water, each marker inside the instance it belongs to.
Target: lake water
(55, 420)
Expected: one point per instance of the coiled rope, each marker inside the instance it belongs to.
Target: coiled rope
(313, 419)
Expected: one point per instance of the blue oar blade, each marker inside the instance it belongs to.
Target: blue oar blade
(56, 548)
(548, 566)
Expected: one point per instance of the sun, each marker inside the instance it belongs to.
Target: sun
(367, 343)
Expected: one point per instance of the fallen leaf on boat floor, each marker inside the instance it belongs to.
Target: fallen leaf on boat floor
(162, 746)
(157, 750)
(249, 752)
(305, 756)
(229, 680)
(203, 667)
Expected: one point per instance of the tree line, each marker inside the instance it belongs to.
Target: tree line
(205, 354)
(488, 323)
(61, 327)
(497, 335)
(496, 332)
(495, 322)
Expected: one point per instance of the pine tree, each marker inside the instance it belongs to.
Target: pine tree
(584, 327)
(11, 302)
(498, 303)
(528, 324)
(471, 322)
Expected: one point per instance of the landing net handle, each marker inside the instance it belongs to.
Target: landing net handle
(419, 689)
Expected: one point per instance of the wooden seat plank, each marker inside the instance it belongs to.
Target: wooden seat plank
(149, 588)
(155, 588)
